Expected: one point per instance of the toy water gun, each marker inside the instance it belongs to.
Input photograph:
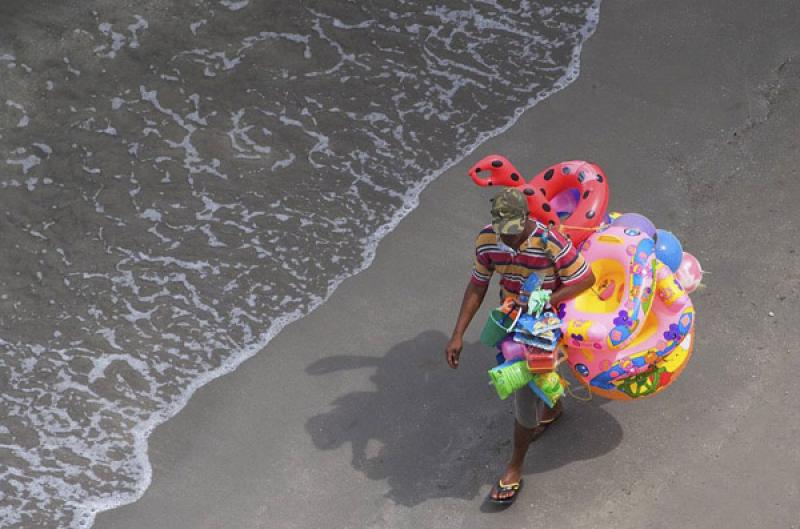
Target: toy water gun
(508, 377)
(511, 376)
(548, 387)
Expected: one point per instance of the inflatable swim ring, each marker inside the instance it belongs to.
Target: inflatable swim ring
(583, 180)
(630, 335)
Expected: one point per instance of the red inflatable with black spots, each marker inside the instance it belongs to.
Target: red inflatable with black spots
(583, 180)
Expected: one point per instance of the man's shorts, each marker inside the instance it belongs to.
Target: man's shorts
(528, 408)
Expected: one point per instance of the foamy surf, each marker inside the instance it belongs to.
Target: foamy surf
(178, 192)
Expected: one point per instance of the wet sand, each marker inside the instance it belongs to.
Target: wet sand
(350, 417)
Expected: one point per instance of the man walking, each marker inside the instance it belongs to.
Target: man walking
(515, 246)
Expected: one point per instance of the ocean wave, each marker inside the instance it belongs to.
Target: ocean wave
(180, 183)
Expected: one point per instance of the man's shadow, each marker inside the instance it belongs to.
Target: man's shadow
(432, 432)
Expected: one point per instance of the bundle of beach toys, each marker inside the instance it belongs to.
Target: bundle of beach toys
(628, 337)
(527, 338)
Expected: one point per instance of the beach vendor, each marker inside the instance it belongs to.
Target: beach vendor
(515, 245)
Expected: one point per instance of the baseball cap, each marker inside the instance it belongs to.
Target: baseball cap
(509, 211)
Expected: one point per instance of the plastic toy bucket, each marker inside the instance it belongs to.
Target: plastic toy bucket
(497, 326)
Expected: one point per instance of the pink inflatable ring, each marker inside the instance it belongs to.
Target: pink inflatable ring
(631, 334)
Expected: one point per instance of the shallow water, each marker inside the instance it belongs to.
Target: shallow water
(179, 182)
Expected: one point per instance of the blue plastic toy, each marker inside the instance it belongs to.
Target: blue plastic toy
(668, 249)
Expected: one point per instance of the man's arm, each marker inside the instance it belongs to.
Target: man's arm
(573, 270)
(473, 297)
(567, 292)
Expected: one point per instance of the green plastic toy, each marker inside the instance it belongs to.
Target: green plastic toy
(497, 326)
(550, 385)
(537, 300)
(508, 377)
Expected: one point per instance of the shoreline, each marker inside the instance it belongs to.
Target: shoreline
(142, 433)
(256, 443)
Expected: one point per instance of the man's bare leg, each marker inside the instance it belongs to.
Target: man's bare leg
(523, 437)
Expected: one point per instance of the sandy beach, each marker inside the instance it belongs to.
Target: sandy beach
(350, 418)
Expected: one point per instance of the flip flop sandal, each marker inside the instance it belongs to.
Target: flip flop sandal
(502, 488)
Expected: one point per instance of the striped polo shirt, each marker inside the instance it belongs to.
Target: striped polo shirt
(558, 263)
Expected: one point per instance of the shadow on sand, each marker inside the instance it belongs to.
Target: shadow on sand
(432, 432)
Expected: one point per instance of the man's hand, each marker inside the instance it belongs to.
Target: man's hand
(571, 291)
(473, 297)
(453, 351)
